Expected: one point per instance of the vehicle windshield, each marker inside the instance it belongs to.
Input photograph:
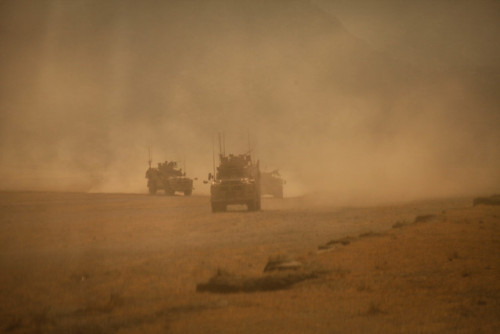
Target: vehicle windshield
(231, 173)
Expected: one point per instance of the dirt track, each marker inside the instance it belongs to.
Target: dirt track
(130, 263)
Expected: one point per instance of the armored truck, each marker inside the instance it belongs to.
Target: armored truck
(237, 181)
(272, 183)
(169, 178)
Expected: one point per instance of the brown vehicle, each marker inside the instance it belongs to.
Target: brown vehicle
(271, 183)
(237, 181)
(169, 178)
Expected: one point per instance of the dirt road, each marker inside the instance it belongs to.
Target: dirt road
(128, 263)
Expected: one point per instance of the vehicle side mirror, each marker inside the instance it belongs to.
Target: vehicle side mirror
(205, 181)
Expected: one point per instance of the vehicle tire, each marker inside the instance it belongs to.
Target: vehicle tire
(252, 205)
(219, 207)
(188, 192)
(152, 189)
(215, 207)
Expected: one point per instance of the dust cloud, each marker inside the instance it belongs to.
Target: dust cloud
(349, 101)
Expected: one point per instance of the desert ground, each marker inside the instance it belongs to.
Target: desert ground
(134, 263)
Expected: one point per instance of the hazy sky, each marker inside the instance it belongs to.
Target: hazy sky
(437, 34)
(366, 100)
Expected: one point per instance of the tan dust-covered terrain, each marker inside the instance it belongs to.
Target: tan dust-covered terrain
(99, 263)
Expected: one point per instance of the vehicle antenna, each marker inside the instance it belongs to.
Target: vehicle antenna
(213, 155)
(220, 145)
(249, 145)
(184, 164)
(224, 142)
(150, 157)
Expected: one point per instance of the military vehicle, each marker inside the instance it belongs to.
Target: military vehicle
(169, 178)
(237, 181)
(271, 183)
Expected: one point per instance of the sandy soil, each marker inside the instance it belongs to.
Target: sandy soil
(100, 263)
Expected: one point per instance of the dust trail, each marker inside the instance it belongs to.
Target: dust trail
(87, 87)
